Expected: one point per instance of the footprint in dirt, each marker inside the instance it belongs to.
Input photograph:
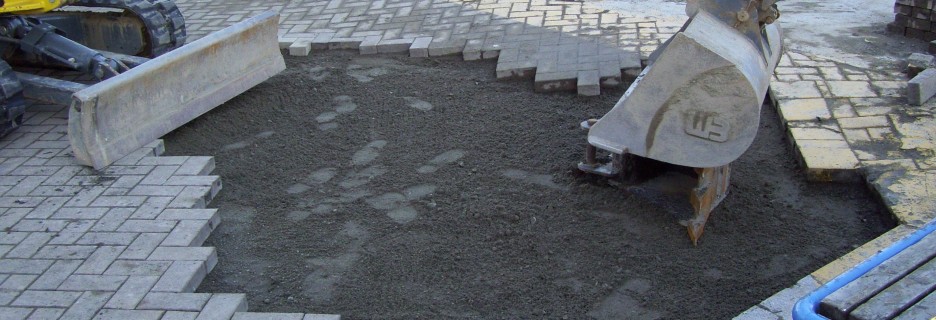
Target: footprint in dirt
(543, 180)
(418, 104)
(246, 142)
(363, 74)
(318, 74)
(319, 286)
(342, 105)
(621, 303)
(399, 204)
(447, 157)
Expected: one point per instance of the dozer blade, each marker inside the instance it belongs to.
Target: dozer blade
(112, 118)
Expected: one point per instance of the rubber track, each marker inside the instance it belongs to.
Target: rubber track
(162, 19)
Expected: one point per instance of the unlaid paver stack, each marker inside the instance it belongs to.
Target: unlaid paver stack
(915, 19)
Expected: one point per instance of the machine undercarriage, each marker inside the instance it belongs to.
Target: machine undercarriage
(149, 83)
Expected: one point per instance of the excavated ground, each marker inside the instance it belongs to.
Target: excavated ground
(384, 187)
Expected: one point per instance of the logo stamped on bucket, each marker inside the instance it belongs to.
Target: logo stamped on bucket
(708, 126)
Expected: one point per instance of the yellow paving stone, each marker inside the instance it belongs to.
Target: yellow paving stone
(856, 135)
(909, 195)
(795, 90)
(864, 156)
(825, 163)
(927, 163)
(880, 133)
(851, 89)
(800, 134)
(874, 110)
(862, 253)
(891, 88)
(843, 110)
(864, 122)
(804, 109)
(906, 164)
(919, 134)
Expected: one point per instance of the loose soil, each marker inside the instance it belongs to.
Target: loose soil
(384, 187)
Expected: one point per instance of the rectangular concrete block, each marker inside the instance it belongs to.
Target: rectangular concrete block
(555, 81)
(117, 314)
(351, 43)
(30, 298)
(131, 292)
(138, 268)
(322, 317)
(420, 47)
(182, 276)
(189, 233)
(286, 42)
(320, 42)
(394, 45)
(300, 48)
(87, 305)
(588, 83)
(223, 306)
(922, 87)
(174, 301)
(267, 316)
(472, 50)
(369, 45)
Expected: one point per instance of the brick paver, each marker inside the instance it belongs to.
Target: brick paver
(562, 45)
(122, 243)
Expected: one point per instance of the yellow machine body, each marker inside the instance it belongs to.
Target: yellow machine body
(29, 6)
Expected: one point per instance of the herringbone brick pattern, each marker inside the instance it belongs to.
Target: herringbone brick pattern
(122, 243)
(563, 45)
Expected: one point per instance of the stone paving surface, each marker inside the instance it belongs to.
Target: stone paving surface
(124, 243)
(562, 45)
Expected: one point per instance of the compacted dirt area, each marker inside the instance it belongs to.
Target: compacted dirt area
(384, 187)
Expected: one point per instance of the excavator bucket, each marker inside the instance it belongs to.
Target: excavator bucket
(698, 104)
(114, 117)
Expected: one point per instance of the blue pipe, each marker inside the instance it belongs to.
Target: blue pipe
(807, 308)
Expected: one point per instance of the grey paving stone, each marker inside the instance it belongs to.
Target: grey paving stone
(143, 246)
(118, 314)
(18, 282)
(80, 282)
(223, 306)
(267, 316)
(14, 313)
(180, 315)
(137, 268)
(55, 275)
(24, 266)
(46, 313)
(100, 260)
(174, 301)
(87, 305)
(131, 292)
(33, 298)
(189, 233)
(588, 83)
(182, 276)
